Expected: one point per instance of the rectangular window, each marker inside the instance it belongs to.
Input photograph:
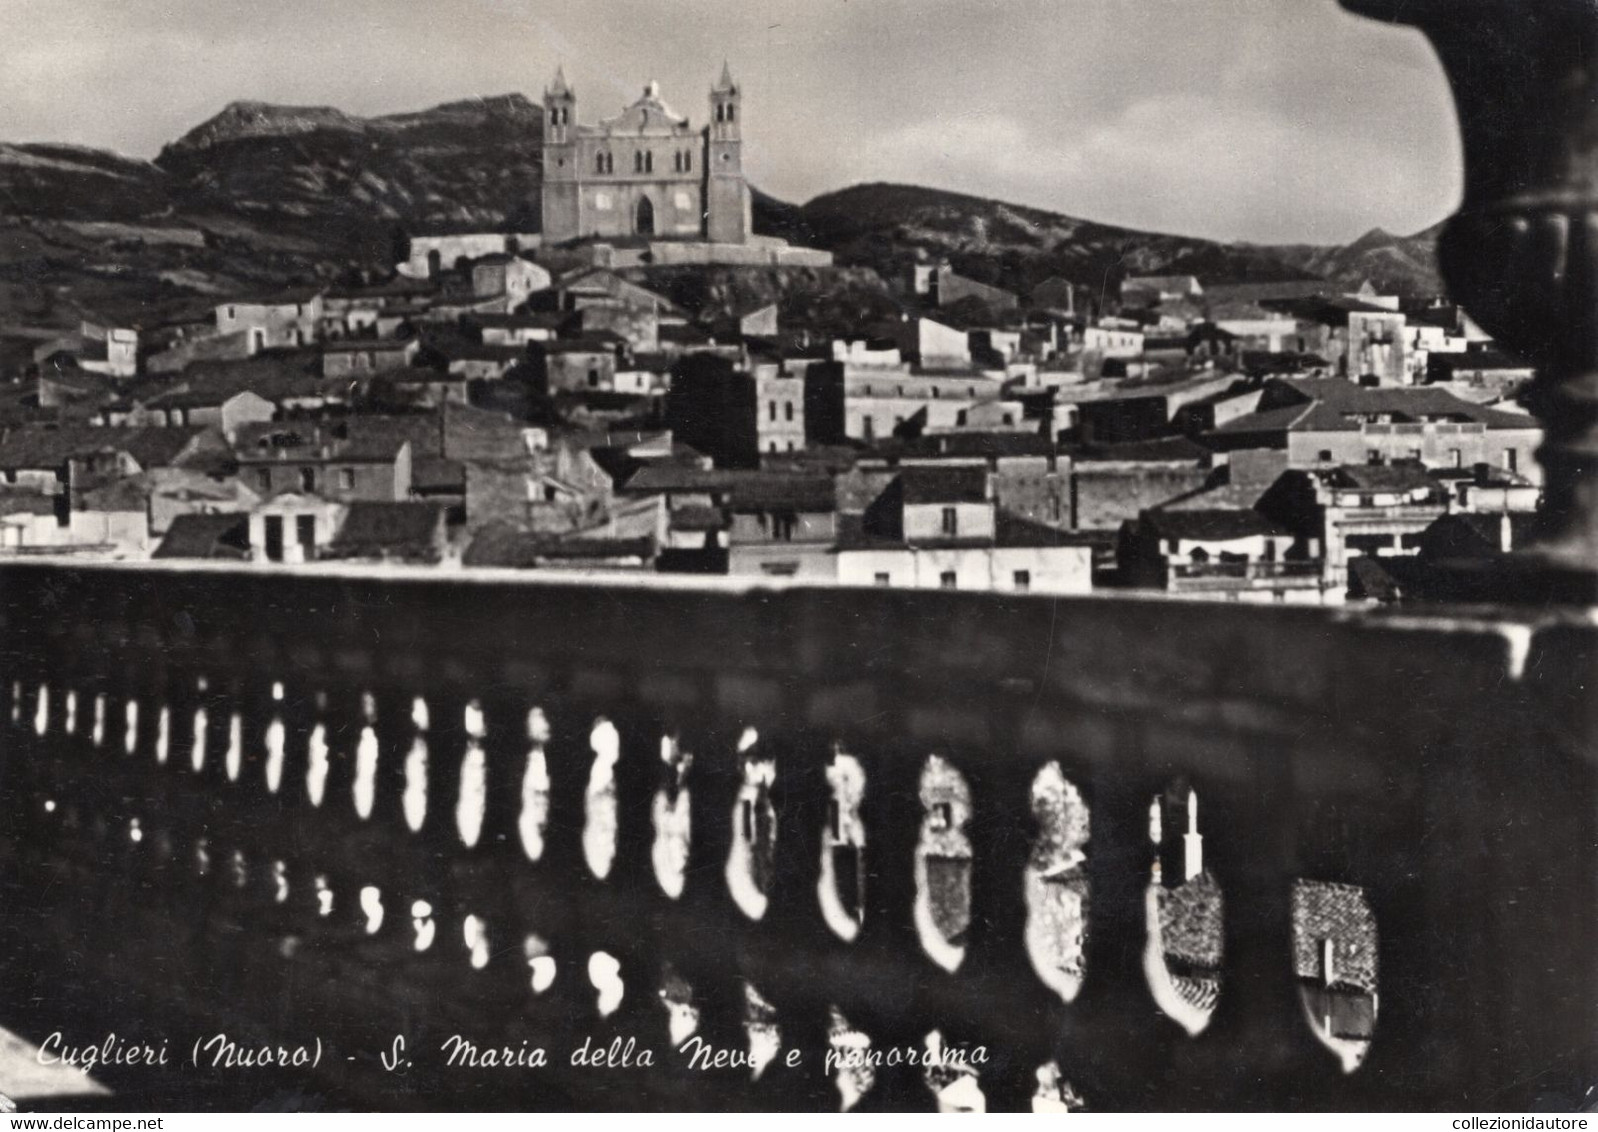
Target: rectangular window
(787, 408)
(772, 407)
(1511, 459)
(346, 479)
(307, 479)
(882, 580)
(305, 532)
(951, 521)
(263, 479)
(1023, 580)
(947, 580)
(1456, 457)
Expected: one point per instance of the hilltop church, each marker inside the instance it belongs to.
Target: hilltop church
(646, 173)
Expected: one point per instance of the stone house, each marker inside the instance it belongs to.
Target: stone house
(329, 459)
(362, 357)
(283, 320)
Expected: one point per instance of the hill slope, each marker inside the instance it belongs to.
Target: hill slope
(260, 194)
(475, 162)
(887, 227)
(1405, 265)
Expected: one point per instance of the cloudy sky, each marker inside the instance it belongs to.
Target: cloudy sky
(1268, 120)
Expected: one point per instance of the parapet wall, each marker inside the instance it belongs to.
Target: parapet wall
(1445, 763)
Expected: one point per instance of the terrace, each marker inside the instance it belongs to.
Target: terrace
(337, 806)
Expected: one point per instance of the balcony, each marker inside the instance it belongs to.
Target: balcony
(347, 806)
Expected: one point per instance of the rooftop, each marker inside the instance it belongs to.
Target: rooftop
(1210, 526)
(315, 441)
(382, 529)
(929, 483)
(206, 536)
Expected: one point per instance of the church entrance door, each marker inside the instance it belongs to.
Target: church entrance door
(646, 218)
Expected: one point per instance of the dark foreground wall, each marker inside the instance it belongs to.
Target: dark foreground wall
(1446, 763)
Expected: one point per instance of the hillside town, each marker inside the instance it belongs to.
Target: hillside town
(354, 397)
(545, 401)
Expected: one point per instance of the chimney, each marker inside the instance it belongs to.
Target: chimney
(1192, 842)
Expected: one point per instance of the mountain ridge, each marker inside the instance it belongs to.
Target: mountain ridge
(262, 193)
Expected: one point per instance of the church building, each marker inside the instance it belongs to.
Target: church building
(646, 173)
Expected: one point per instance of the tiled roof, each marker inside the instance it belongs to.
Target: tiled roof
(502, 545)
(532, 320)
(969, 444)
(1481, 360)
(599, 342)
(130, 493)
(1262, 292)
(1165, 449)
(932, 484)
(770, 492)
(1402, 475)
(41, 447)
(1015, 531)
(310, 440)
(663, 475)
(395, 530)
(1210, 526)
(436, 474)
(272, 377)
(1371, 577)
(368, 345)
(206, 536)
(1265, 421)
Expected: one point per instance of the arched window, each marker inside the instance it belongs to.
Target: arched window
(638, 161)
(599, 163)
(688, 162)
(649, 162)
(732, 111)
(721, 112)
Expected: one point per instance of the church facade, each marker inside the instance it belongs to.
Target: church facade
(646, 173)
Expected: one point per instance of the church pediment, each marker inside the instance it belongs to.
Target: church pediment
(649, 114)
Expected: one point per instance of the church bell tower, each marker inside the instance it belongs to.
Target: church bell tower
(562, 210)
(727, 204)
